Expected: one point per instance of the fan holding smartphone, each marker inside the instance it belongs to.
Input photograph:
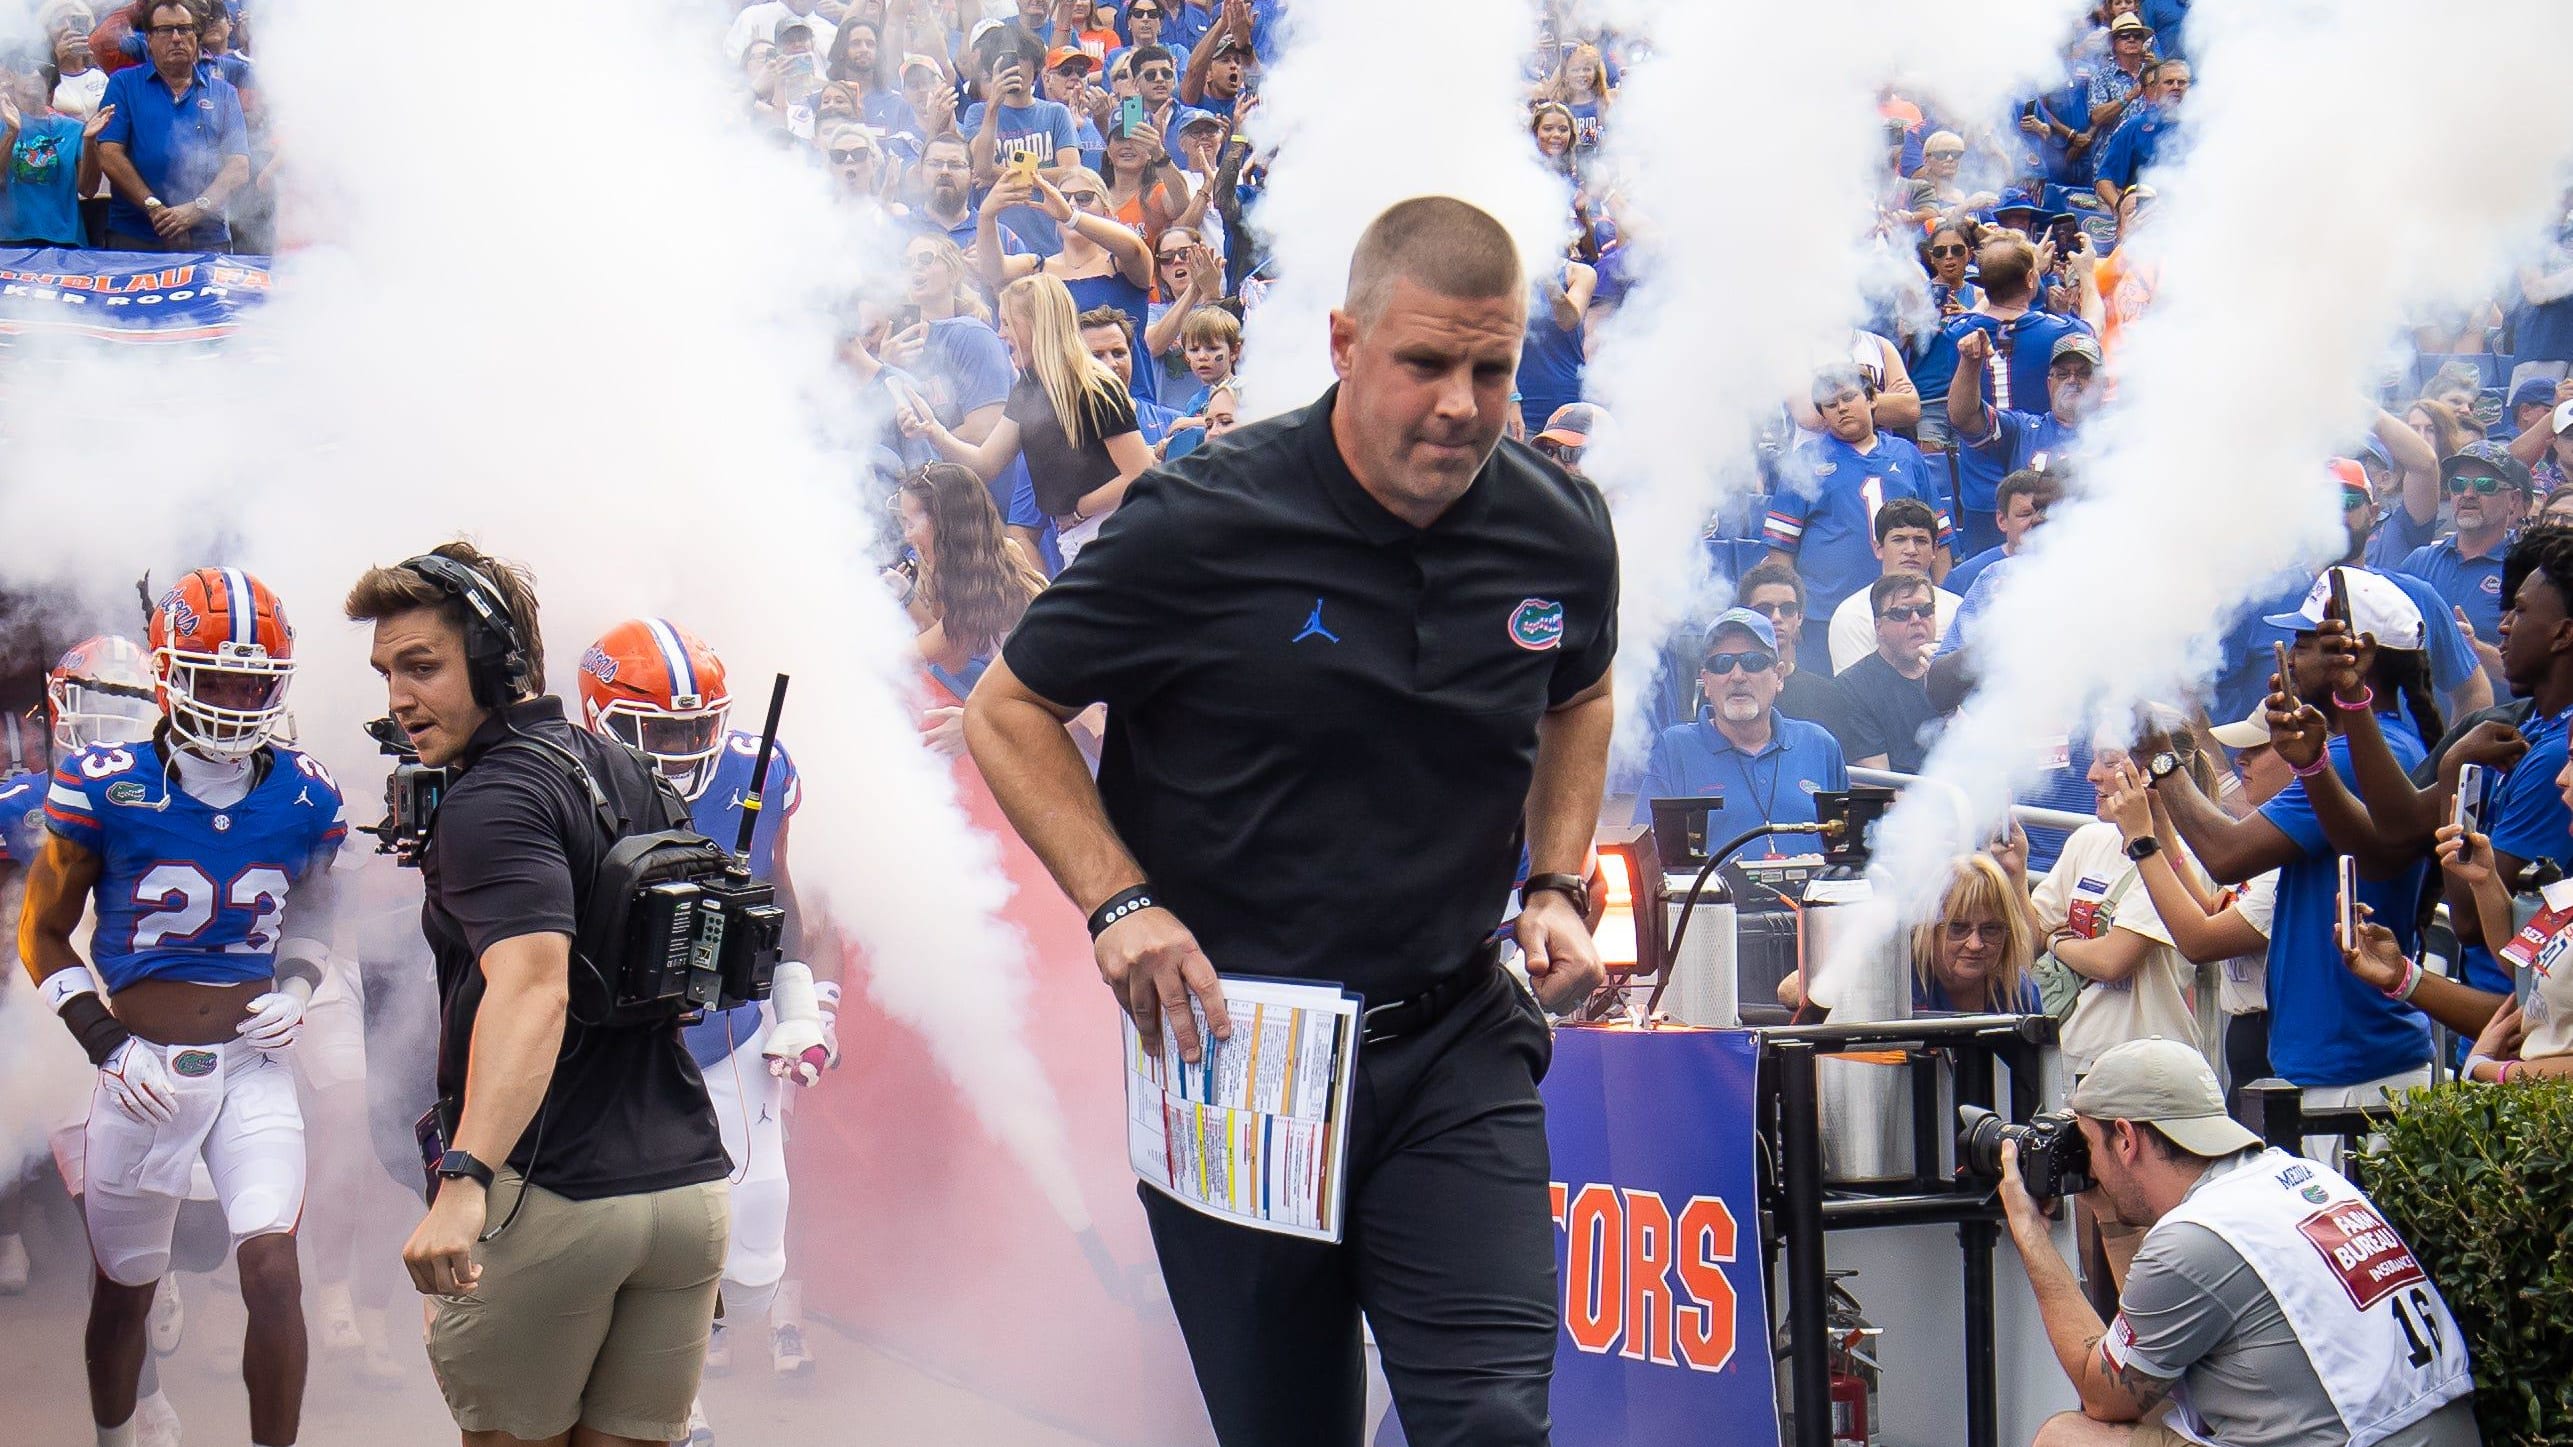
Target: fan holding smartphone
(2339, 688)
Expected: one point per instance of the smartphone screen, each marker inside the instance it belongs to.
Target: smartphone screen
(2349, 899)
(2470, 798)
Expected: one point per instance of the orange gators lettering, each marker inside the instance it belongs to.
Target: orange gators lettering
(1706, 1246)
(1640, 1284)
(1594, 1306)
(1648, 1271)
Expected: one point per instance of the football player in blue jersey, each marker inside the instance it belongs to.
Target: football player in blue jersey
(189, 844)
(98, 692)
(22, 826)
(657, 688)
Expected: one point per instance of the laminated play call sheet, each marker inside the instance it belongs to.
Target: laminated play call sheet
(1256, 1132)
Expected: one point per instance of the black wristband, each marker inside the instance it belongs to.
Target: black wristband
(98, 1031)
(1120, 904)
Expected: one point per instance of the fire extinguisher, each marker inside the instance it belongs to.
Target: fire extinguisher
(1853, 1373)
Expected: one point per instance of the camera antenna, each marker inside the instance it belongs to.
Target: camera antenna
(752, 800)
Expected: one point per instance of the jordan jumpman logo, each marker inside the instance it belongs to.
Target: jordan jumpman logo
(1313, 627)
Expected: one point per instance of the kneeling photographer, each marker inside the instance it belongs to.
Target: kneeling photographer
(579, 1211)
(2270, 1303)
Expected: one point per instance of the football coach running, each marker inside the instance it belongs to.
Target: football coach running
(1353, 656)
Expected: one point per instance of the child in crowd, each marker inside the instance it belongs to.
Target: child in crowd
(1211, 339)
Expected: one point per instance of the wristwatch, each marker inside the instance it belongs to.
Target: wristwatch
(455, 1164)
(153, 203)
(2162, 766)
(2143, 847)
(1571, 886)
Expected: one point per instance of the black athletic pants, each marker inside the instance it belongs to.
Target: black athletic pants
(2246, 1057)
(1449, 1251)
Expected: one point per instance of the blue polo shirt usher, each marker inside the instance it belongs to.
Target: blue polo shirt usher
(178, 143)
(1774, 786)
(2473, 584)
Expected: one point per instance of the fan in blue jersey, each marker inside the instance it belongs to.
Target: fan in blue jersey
(657, 688)
(189, 844)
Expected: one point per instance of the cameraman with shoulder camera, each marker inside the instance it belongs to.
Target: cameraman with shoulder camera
(580, 1212)
(2269, 1304)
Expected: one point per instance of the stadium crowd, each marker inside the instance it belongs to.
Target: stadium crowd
(1084, 238)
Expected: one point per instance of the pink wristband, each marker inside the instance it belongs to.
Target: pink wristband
(2307, 771)
(2366, 699)
(2411, 981)
(2501, 1074)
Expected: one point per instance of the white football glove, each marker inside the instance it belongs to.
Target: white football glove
(826, 999)
(275, 1019)
(796, 1051)
(139, 1083)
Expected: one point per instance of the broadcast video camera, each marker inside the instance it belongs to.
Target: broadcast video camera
(411, 795)
(2054, 1159)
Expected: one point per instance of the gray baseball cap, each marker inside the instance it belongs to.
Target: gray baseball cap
(2170, 1084)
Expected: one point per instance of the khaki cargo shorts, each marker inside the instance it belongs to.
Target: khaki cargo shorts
(591, 1313)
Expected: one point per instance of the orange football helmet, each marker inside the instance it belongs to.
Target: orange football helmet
(101, 692)
(657, 688)
(222, 655)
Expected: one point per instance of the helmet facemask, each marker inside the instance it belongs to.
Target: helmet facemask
(227, 704)
(685, 744)
(99, 711)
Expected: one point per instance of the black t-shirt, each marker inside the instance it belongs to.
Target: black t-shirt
(1322, 721)
(1061, 473)
(1882, 712)
(515, 846)
(1808, 696)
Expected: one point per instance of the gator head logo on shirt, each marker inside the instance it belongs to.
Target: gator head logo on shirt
(127, 792)
(1537, 625)
(194, 1064)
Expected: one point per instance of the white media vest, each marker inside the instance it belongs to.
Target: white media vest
(2380, 1338)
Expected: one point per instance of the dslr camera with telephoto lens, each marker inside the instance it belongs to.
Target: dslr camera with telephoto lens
(2054, 1159)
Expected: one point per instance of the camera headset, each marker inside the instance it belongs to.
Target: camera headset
(495, 651)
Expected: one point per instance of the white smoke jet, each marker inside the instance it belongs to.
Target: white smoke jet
(1746, 206)
(1359, 126)
(2205, 480)
(589, 322)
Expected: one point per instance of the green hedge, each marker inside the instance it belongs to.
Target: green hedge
(2479, 1179)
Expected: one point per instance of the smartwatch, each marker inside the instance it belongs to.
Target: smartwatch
(2143, 847)
(462, 1164)
(1571, 886)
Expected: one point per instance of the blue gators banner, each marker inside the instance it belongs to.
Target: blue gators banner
(1665, 1323)
(152, 298)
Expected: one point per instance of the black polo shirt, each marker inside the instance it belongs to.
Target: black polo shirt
(1322, 721)
(513, 852)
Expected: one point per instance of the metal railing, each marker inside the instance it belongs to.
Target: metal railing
(2026, 814)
